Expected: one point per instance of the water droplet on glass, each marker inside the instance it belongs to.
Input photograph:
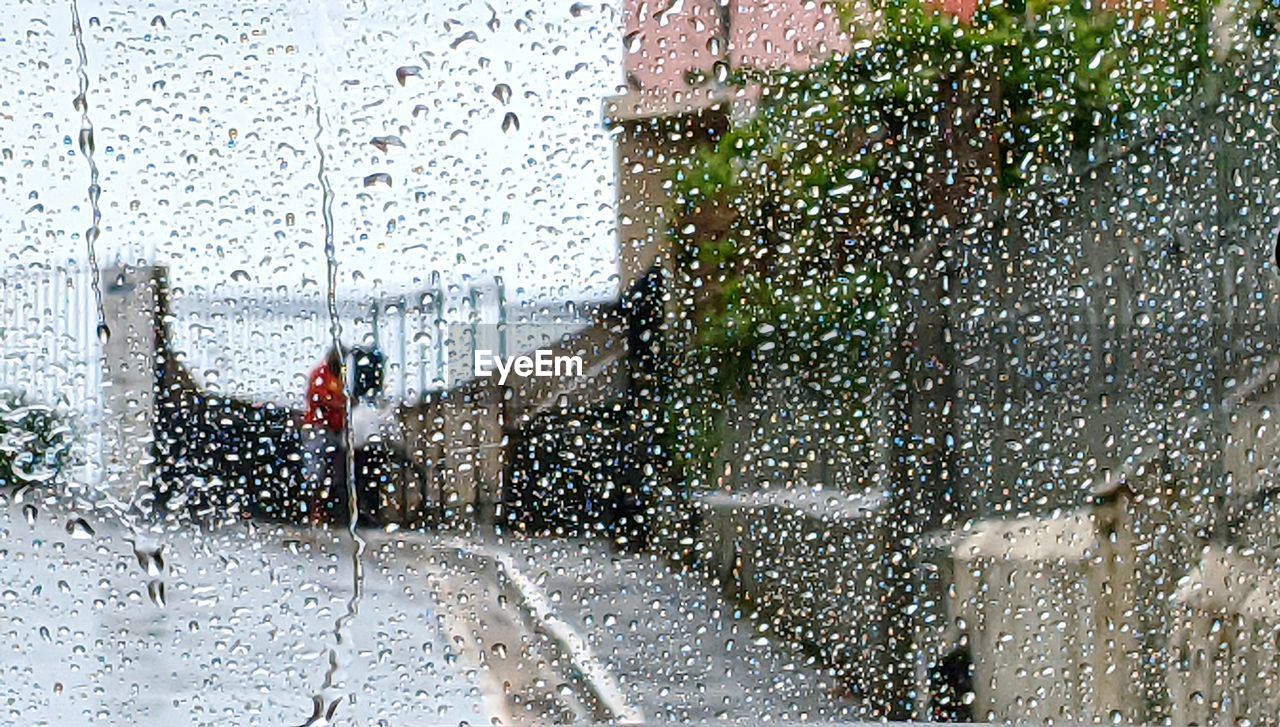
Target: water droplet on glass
(470, 35)
(404, 73)
(384, 142)
(155, 590)
(79, 529)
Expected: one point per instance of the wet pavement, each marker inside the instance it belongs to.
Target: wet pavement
(679, 651)
(241, 634)
(236, 626)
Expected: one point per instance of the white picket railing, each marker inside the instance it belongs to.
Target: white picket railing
(262, 346)
(258, 345)
(49, 348)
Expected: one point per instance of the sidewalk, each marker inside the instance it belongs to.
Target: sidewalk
(677, 649)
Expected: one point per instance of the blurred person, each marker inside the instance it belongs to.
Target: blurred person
(372, 418)
(323, 425)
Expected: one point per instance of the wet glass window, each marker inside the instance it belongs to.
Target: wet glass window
(642, 361)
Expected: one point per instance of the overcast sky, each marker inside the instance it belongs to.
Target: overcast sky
(206, 140)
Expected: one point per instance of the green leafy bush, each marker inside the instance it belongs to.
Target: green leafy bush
(35, 442)
(787, 222)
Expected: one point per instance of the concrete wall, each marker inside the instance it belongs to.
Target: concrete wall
(811, 566)
(1222, 659)
(1116, 332)
(1104, 325)
(129, 398)
(1223, 625)
(1047, 608)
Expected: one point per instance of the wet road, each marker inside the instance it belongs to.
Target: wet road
(236, 626)
(240, 634)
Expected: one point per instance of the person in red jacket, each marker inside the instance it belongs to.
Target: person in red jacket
(327, 396)
(323, 424)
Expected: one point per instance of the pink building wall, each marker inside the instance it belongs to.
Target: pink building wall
(784, 34)
(663, 47)
(668, 41)
(673, 104)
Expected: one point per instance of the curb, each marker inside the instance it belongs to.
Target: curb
(586, 669)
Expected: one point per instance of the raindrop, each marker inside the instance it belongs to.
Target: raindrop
(502, 92)
(86, 143)
(378, 178)
(404, 73)
(510, 122)
(470, 35)
(150, 558)
(155, 590)
(79, 529)
(384, 142)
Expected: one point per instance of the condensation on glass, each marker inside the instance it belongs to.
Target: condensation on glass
(697, 361)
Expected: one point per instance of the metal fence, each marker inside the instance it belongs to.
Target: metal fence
(259, 345)
(49, 348)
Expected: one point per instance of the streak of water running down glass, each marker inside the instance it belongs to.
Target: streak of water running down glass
(81, 104)
(324, 706)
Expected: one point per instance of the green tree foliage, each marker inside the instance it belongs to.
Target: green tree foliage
(780, 224)
(35, 443)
